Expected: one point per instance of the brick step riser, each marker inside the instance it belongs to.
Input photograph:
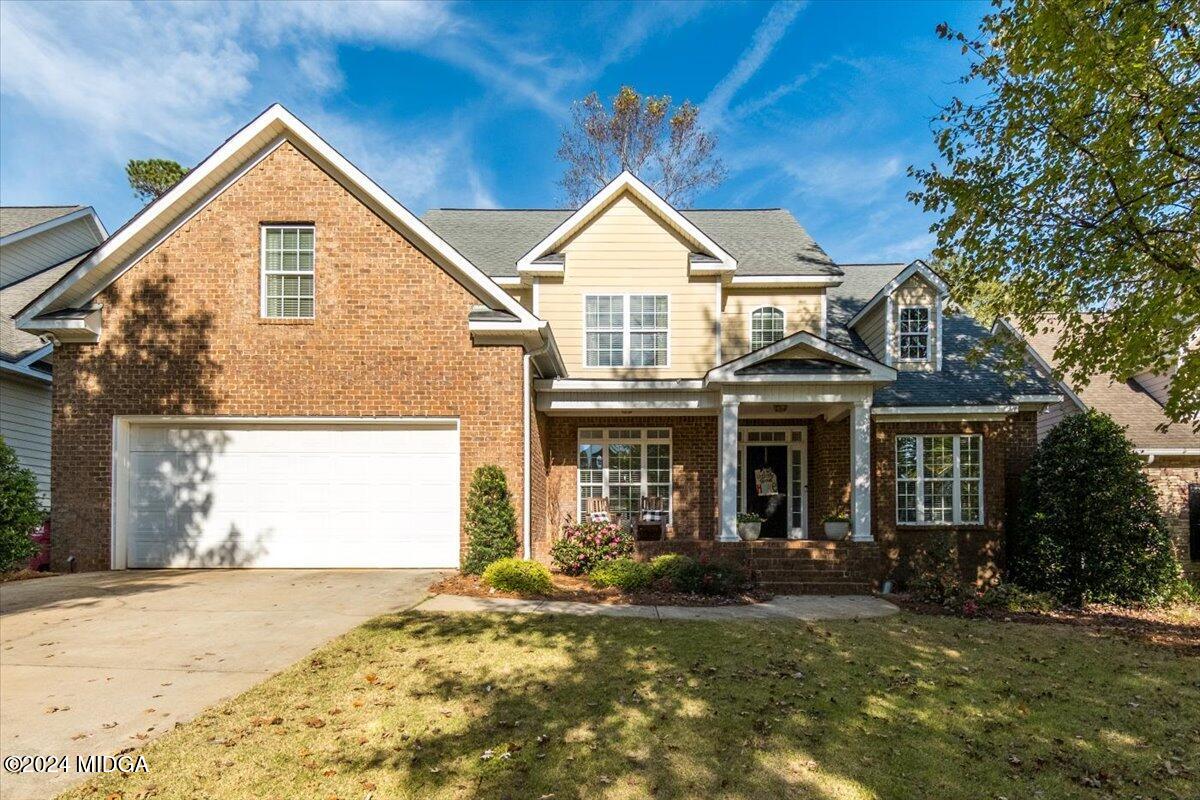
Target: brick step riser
(819, 588)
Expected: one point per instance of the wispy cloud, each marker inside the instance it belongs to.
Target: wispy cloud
(768, 34)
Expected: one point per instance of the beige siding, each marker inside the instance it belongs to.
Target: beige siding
(1157, 386)
(916, 291)
(35, 253)
(873, 330)
(627, 249)
(521, 295)
(801, 312)
(25, 425)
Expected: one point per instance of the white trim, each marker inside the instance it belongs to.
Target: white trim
(861, 473)
(121, 424)
(505, 280)
(262, 268)
(719, 325)
(786, 280)
(1038, 399)
(292, 129)
(626, 181)
(25, 371)
(938, 332)
(1167, 451)
(626, 331)
(955, 478)
(824, 315)
(616, 385)
(559, 404)
(750, 324)
(929, 355)
(526, 507)
(917, 267)
(889, 354)
(42, 227)
(36, 355)
(535, 296)
(943, 413)
(726, 373)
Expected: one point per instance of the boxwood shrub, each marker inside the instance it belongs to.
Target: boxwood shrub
(622, 573)
(516, 575)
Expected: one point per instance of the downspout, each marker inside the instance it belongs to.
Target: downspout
(527, 510)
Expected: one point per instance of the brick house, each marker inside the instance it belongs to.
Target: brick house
(1171, 452)
(277, 364)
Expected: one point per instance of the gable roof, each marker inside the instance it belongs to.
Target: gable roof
(1128, 403)
(80, 285)
(19, 222)
(16, 344)
(838, 363)
(765, 241)
(917, 267)
(627, 183)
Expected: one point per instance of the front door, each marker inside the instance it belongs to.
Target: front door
(767, 487)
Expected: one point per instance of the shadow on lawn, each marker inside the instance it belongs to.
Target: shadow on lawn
(634, 710)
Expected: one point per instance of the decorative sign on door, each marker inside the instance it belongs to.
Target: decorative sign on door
(766, 482)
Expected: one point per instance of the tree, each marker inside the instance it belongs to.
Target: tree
(20, 510)
(1071, 182)
(1088, 527)
(668, 150)
(491, 520)
(150, 179)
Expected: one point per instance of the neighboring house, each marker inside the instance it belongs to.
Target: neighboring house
(1171, 450)
(38, 245)
(277, 364)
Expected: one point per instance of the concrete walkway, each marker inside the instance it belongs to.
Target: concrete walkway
(799, 607)
(95, 663)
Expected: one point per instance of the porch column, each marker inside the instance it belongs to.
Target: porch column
(728, 472)
(860, 469)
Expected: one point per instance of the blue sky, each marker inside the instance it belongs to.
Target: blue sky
(819, 107)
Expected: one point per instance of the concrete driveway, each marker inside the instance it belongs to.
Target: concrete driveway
(96, 663)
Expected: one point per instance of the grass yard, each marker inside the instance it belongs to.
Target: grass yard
(465, 706)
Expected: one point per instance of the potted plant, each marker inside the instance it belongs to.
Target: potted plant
(837, 527)
(749, 526)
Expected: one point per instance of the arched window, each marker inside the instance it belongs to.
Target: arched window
(766, 326)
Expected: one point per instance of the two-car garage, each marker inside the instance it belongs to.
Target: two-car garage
(294, 492)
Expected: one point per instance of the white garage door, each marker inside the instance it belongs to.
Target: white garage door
(291, 495)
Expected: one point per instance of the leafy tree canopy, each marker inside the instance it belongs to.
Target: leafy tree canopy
(1070, 178)
(666, 149)
(151, 178)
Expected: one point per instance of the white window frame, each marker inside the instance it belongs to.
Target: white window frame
(263, 272)
(900, 334)
(956, 479)
(626, 331)
(782, 331)
(606, 438)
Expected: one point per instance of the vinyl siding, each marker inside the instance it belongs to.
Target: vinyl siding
(33, 254)
(916, 291)
(801, 310)
(521, 295)
(1053, 415)
(1157, 386)
(627, 249)
(25, 425)
(873, 330)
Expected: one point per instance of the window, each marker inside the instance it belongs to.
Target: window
(939, 479)
(625, 330)
(914, 333)
(766, 327)
(624, 464)
(287, 271)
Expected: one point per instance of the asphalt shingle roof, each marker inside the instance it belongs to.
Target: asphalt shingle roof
(14, 219)
(16, 344)
(764, 241)
(1125, 401)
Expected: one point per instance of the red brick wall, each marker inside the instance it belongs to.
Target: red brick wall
(1170, 478)
(828, 472)
(1007, 448)
(693, 470)
(182, 335)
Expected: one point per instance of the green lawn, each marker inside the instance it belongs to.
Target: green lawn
(464, 706)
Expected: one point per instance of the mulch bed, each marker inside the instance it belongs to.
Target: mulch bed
(24, 575)
(578, 590)
(1175, 628)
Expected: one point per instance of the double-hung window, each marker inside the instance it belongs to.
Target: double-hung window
(939, 479)
(914, 333)
(624, 465)
(288, 271)
(622, 330)
(766, 327)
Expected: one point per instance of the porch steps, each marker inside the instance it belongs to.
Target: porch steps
(789, 567)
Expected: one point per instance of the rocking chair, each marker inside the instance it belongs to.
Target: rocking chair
(651, 524)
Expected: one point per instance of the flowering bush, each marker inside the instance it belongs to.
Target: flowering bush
(583, 546)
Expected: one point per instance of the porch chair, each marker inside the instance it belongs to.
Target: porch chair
(595, 509)
(651, 524)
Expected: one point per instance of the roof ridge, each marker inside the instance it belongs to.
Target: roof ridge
(52, 205)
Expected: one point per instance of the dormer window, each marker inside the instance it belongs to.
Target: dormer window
(913, 333)
(766, 326)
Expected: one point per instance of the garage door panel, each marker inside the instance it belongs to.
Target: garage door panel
(292, 496)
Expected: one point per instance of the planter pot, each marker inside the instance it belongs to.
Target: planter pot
(749, 531)
(837, 531)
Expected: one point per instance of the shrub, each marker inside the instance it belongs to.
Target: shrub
(934, 571)
(711, 577)
(1010, 597)
(20, 510)
(1089, 528)
(671, 568)
(623, 573)
(491, 520)
(517, 575)
(583, 546)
